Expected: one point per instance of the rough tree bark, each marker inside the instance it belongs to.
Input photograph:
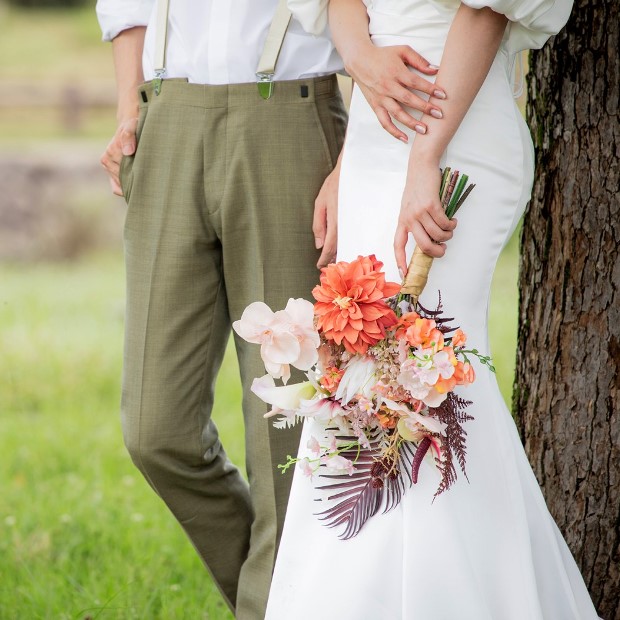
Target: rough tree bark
(568, 363)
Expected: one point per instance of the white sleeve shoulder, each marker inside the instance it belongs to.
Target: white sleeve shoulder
(311, 14)
(117, 15)
(532, 22)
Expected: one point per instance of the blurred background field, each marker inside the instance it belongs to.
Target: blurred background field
(81, 534)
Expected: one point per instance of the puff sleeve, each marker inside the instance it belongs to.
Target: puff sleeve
(531, 22)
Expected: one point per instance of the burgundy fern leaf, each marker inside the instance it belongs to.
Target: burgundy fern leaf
(360, 496)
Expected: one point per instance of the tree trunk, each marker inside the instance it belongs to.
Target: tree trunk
(568, 362)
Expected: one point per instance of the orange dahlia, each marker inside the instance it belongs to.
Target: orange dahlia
(350, 303)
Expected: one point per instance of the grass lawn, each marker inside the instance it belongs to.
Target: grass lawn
(81, 534)
(49, 54)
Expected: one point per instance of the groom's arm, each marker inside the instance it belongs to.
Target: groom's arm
(383, 73)
(127, 49)
(124, 23)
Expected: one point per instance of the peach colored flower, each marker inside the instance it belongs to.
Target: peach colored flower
(443, 385)
(331, 379)
(404, 323)
(459, 338)
(424, 333)
(386, 419)
(464, 373)
(350, 303)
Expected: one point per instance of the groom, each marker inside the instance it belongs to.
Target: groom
(221, 184)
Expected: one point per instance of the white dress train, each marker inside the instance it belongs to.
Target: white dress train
(487, 549)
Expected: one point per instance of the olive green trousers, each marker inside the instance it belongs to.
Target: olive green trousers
(220, 198)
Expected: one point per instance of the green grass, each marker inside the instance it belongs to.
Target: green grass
(81, 533)
(52, 45)
(52, 51)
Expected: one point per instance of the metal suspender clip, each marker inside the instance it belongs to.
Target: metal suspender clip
(159, 76)
(265, 84)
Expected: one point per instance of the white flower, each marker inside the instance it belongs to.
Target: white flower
(434, 398)
(358, 379)
(282, 398)
(411, 418)
(323, 409)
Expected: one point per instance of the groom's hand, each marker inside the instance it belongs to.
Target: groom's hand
(325, 222)
(384, 76)
(123, 143)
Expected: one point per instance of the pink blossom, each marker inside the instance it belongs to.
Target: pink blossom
(338, 463)
(418, 375)
(287, 337)
(444, 364)
(313, 445)
(305, 467)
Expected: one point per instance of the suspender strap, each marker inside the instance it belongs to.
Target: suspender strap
(273, 44)
(266, 65)
(161, 36)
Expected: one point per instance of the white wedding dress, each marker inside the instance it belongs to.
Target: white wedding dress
(487, 549)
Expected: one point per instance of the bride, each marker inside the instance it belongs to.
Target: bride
(487, 549)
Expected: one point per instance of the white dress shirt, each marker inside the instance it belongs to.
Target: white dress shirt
(220, 41)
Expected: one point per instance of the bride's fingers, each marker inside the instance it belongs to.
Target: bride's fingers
(435, 232)
(400, 243)
(425, 242)
(440, 218)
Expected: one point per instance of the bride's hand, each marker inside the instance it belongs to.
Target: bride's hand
(421, 214)
(383, 75)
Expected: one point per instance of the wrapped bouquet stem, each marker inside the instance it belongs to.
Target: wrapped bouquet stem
(381, 376)
(453, 192)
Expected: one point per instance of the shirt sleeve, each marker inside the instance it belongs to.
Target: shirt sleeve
(311, 14)
(117, 15)
(531, 22)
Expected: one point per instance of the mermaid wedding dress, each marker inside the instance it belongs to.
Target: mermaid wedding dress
(487, 549)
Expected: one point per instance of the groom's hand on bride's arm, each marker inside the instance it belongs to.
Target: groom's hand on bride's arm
(384, 76)
(325, 222)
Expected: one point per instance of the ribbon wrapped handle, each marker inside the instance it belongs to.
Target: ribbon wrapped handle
(452, 193)
(417, 274)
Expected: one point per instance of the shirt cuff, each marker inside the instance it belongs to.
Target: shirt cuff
(115, 16)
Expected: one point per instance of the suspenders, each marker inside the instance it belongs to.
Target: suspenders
(268, 60)
(273, 44)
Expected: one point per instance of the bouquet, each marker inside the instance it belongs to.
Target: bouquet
(381, 372)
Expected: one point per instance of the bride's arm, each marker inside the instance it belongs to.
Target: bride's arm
(382, 73)
(474, 38)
